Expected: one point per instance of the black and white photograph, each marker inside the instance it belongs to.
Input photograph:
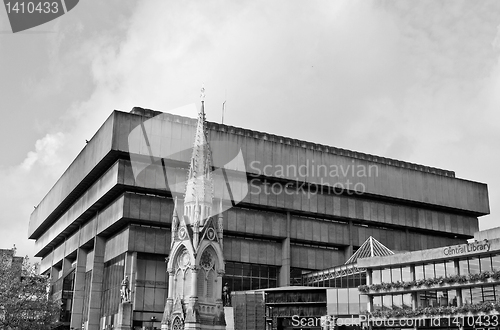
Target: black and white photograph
(250, 165)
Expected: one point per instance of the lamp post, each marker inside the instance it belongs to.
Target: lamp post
(153, 320)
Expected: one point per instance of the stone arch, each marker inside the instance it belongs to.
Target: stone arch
(177, 323)
(180, 261)
(209, 263)
(177, 251)
(218, 254)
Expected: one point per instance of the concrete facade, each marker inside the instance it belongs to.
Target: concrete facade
(102, 220)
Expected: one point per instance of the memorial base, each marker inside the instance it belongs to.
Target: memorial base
(124, 317)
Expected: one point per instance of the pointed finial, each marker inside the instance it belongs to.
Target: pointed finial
(202, 96)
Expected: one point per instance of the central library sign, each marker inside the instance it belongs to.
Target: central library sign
(482, 246)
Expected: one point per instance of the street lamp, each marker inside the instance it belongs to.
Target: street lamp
(153, 320)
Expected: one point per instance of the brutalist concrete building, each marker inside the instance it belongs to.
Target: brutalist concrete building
(291, 207)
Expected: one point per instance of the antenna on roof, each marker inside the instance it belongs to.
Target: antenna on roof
(224, 106)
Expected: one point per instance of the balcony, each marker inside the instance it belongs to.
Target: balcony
(441, 283)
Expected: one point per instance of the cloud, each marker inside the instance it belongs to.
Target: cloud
(46, 153)
(417, 81)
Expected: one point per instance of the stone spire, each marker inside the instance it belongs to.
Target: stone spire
(199, 186)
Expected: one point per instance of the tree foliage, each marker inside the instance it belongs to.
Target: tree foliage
(24, 301)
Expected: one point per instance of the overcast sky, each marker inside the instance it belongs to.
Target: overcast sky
(417, 81)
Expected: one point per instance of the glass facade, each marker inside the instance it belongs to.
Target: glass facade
(151, 283)
(376, 276)
(67, 296)
(386, 275)
(472, 265)
(450, 268)
(347, 279)
(113, 276)
(293, 303)
(296, 275)
(495, 262)
(86, 295)
(480, 294)
(485, 264)
(437, 296)
(243, 276)
(419, 272)
(346, 301)
(396, 274)
(406, 273)
(440, 269)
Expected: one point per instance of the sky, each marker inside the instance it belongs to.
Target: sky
(417, 81)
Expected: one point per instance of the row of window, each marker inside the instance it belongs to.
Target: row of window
(346, 281)
(296, 296)
(473, 265)
(151, 283)
(480, 294)
(113, 276)
(296, 275)
(442, 298)
(346, 301)
(430, 298)
(250, 270)
(241, 276)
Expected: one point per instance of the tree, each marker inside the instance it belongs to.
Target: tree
(24, 299)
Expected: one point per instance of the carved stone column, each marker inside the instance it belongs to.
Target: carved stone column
(192, 311)
(167, 313)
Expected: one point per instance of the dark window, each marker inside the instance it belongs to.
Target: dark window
(488, 293)
(113, 275)
(428, 299)
(244, 277)
(151, 286)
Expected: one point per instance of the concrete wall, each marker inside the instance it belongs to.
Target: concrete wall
(92, 154)
(169, 135)
(325, 207)
(394, 178)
